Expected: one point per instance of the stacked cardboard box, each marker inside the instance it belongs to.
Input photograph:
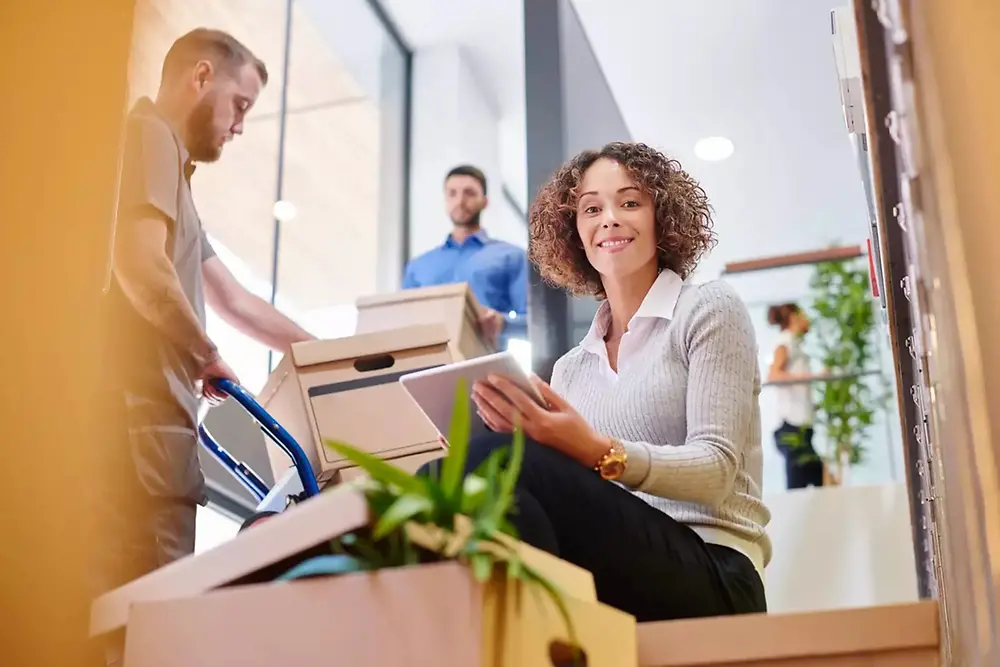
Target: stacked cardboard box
(347, 389)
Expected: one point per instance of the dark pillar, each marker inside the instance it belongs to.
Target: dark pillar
(570, 107)
(548, 308)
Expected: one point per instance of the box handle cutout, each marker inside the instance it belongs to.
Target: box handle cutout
(563, 654)
(378, 362)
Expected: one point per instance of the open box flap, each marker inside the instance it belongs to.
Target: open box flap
(299, 528)
(313, 352)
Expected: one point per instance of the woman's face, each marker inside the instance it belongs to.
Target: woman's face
(799, 322)
(616, 221)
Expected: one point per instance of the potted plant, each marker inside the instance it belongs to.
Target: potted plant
(388, 569)
(453, 517)
(445, 516)
(843, 319)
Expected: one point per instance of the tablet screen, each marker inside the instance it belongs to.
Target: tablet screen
(434, 389)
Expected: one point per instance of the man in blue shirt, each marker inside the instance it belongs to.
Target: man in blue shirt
(497, 272)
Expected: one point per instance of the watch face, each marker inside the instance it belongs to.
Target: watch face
(613, 470)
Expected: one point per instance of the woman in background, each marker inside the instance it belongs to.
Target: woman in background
(790, 369)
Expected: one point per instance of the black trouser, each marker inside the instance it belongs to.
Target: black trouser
(803, 467)
(643, 562)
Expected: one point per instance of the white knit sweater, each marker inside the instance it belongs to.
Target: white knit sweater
(685, 405)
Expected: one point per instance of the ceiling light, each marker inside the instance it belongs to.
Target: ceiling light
(714, 149)
(284, 211)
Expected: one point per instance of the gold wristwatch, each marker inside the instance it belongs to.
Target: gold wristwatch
(612, 465)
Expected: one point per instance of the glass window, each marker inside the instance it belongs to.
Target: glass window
(342, 163)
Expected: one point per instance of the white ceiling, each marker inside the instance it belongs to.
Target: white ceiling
(760, 72)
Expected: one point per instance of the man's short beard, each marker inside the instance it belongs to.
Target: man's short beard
(201, 142)
(471, 222)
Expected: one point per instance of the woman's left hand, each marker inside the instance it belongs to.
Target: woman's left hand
(503, 405)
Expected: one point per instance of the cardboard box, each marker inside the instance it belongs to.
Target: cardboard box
(347, 389)
(409, 463)
(147, 607)
(451, 305)
(429, 615)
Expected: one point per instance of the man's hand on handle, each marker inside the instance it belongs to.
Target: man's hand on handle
(216, 369)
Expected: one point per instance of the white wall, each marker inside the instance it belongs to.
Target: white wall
(453, 123)
(840, 547)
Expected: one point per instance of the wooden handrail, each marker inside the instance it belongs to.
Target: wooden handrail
(817, 379)
(781, 261)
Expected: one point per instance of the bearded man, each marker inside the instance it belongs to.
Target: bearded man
(164, 271)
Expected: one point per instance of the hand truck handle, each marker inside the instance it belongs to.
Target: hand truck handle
(275, 431)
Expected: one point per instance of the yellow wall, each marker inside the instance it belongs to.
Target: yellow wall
(62, 73)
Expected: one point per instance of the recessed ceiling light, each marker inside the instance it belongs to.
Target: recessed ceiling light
(285, 211)
(714, 149)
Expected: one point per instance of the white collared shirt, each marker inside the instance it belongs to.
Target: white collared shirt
(659, 304)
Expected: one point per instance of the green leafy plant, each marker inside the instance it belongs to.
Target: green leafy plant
(444, 516)
(798, 439)
(843, 327)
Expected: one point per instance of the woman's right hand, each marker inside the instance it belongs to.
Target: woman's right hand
(482, 394)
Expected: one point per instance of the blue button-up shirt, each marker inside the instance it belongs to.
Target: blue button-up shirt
(497, 273)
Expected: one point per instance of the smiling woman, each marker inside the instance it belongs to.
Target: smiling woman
(640, 175)
(645, 466)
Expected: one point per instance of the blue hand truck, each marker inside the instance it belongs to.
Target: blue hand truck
(298, 483)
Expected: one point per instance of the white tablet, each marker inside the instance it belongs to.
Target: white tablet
(433, 390)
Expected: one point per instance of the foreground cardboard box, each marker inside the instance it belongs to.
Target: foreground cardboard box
(429, 615)
(347, 389)
(214, 608)
(451, 305)
(905, 635)
(273, 547)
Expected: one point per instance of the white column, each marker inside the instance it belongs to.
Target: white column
(454, 122)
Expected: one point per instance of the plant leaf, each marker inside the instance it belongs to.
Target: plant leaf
(492, 510)
(321, 566)
(473, 494)
(380, 499)
(405, 508)
(508, 480)
(482, 565)
(379, 469)
(507, 528)
(530, 575)
(453, 466)
(444, 510)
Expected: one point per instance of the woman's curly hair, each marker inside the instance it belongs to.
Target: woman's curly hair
(683, 217)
